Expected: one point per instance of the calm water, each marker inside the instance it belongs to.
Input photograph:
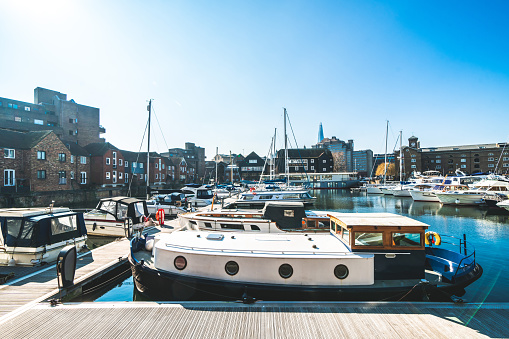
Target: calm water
(487, 230)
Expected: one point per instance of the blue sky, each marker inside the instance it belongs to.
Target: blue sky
(220, 72)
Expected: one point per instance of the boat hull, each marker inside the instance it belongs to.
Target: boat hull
(163, 285)
(424, 196)
(460, 199)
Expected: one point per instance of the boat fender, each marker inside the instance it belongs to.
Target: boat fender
(432, 238)
(149, 245)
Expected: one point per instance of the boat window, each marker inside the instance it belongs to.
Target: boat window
(121, 211)
(265, 197)
(232, 226)
(345, 235)
(285, 271)
(255, 228)
(368, 239)
(291, 196)
(247, 197)
(406, 239)
(108, 206)
(138, 209)
(13, 228)
(208, 224)
(231, 268)
(63, 224)
(341, 271)
(324, 223)
(180, 263)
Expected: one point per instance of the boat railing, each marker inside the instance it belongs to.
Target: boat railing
(465, 249)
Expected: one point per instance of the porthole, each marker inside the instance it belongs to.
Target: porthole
(180, 263)
(231, 267)
(285, 271)
(341, 271)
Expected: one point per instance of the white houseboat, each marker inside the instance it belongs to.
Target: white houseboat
(364, 257)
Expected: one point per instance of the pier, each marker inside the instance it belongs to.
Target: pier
(26, 312)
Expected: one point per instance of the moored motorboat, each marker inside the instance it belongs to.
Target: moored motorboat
(117, 217)
(257, 199)
(33, 236)
(364, 257)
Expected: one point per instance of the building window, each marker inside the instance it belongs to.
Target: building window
(162, 166)
(413, 155)
(157, 176)
(41, 155)
(413, 166)
(134, 164)
(491, 159)
(450, 161)
(126, 176)
(108, 161)
(114, 158)
(438, 161)
(476, 166)
(413, 160)
(505, 159)
(38, 122)
(463, 160)
(107, 175)
(312, 168)
(491, 165)
(9, 177)
(61, 157)
(72, 159)
(476, 160)
(83, 160)
(62, 178)
(120, 162)
(72, 175)
(83, 176)
(17, 119)
(312, 161)
(141, 165)
(114, 177)
(438, 167)
(162, 176)
(126, 163)
(41, 174)
(157, 165)
(27, 108)
(490, 154)
(463, 166)
(505, 165)
(9, 153)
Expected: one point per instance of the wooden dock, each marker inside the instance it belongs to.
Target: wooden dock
(261, 320)
(26, 313)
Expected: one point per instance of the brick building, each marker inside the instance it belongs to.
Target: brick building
(251, 167)
(310, 160)
(107, 165)
(38, 161)
(71, 122)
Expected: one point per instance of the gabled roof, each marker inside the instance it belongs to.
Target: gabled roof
(77, 150)
(100, 148)
(303, 152)
(21, 140)
(133, 156)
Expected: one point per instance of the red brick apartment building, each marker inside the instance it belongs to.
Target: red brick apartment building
(40, 161)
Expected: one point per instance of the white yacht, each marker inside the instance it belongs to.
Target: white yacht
(257, 199)
(476, 194)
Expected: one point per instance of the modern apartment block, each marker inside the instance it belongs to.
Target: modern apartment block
(71, 122)
(342, 153)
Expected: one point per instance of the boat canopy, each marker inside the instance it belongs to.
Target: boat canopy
(286, 215)
(40, 230)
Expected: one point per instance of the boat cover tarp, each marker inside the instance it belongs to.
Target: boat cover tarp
(286, 215)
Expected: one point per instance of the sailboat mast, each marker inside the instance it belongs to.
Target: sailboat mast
(149, 108)
(400, 156)
(286, 151)
(273, 162)
(385, 159)
(217, 149)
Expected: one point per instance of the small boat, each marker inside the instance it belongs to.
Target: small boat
(33, 236)
(475, 195)
(366, 256)
(117, 217)
(275, 217)
(257, 199)
(503, 204)
(198, 196)
(172, 204)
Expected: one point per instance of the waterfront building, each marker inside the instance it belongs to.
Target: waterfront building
(251, 167)
(194, 157)
(40, 161)
(107, 165)
(380, 158)
(363, 162)
(70, 121)
(342, 153)
(302, 160)
(469, 159)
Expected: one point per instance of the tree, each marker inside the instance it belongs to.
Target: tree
(391, 170)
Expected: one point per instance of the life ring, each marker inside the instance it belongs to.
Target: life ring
(160, 216)
(432, 238)
(178, 203)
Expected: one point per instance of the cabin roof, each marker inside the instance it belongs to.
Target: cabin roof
(376, 219)
(126, 200)
(29, 212)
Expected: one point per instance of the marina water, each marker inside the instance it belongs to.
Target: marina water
(486, 229)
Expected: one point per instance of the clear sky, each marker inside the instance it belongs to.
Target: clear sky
(220, 72)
